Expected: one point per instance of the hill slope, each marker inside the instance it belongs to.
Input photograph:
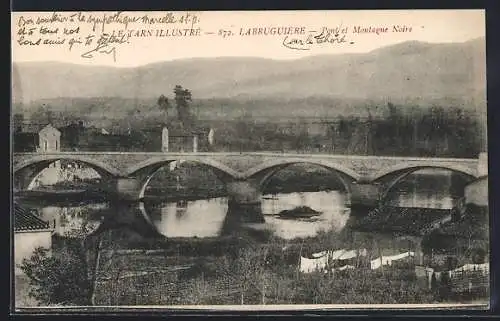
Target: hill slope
(407, 70)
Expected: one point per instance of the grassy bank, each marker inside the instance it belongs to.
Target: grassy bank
(261, 272)
(246, 267)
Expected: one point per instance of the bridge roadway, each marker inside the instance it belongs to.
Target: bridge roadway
(245, 165)
(366, 178)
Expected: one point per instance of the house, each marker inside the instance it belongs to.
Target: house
(30, 232)
(47, 139)
(178, 139)
(319, 128)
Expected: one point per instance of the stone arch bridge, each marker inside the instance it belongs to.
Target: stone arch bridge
(366, 178)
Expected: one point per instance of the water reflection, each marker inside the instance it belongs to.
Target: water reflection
(205, 218)
(331, 204)
(69, 220)
(431, 188)
(202, 218)
(423, 199)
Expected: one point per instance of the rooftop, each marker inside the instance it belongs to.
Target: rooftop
(474, 224)
(407, 220)
(24, 220)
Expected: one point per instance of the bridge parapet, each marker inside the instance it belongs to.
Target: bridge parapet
(242, 165)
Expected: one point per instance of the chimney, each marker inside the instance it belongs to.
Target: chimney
(164, 140)
(195, 143)
(211, 134)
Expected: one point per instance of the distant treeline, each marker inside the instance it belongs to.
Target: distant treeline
(387, 130)
(435, 131)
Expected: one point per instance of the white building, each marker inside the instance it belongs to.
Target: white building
(174, 139)
(30, 232)
(49, 139)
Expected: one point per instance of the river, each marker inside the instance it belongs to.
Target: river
(205, 218)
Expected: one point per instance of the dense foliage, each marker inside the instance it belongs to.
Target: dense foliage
(395, 130)
(59, 277)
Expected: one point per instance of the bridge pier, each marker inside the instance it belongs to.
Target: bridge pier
(364, 198)
(123, 188)
(245, 201)
(244, 196)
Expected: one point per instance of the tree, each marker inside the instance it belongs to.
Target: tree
(18, 121)
(59, 278)
(369, 133)
(182, 99)
(164, 104)
(444, 287)
(43, 115)
(249, 269)
(478, 255)
(67, 275)
(434, 284)
(72, 135)
(395, 120)
(301, 136)
(198, 291)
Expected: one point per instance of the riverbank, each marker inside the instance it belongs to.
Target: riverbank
(235, 274)
(252, 267)
(62, 198)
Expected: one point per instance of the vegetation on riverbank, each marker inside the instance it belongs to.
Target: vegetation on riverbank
(247, 267)
(267, 273)
(382, 128)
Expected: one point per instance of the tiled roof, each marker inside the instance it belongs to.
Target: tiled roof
(466, 227)
(408, 220)
(26, 221)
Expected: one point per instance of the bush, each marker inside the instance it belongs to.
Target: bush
(60, 278)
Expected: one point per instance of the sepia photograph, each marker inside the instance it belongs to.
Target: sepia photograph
(249, 160)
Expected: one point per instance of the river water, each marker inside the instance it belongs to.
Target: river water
(205, 218)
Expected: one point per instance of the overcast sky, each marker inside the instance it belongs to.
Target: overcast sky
(436, 26)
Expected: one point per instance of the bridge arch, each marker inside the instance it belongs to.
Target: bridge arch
(146, 170)
(29, 168)
(94, 163)
(393, 175)
(262, 172)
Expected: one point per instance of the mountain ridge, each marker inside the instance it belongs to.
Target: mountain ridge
(408, 42)
(406, 70)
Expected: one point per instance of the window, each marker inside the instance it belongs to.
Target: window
(56, 144)
(45, 145)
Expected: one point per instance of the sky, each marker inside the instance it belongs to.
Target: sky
(435, 26)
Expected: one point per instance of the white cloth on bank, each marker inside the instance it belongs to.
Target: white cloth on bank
(320, 260)
(387, 260)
